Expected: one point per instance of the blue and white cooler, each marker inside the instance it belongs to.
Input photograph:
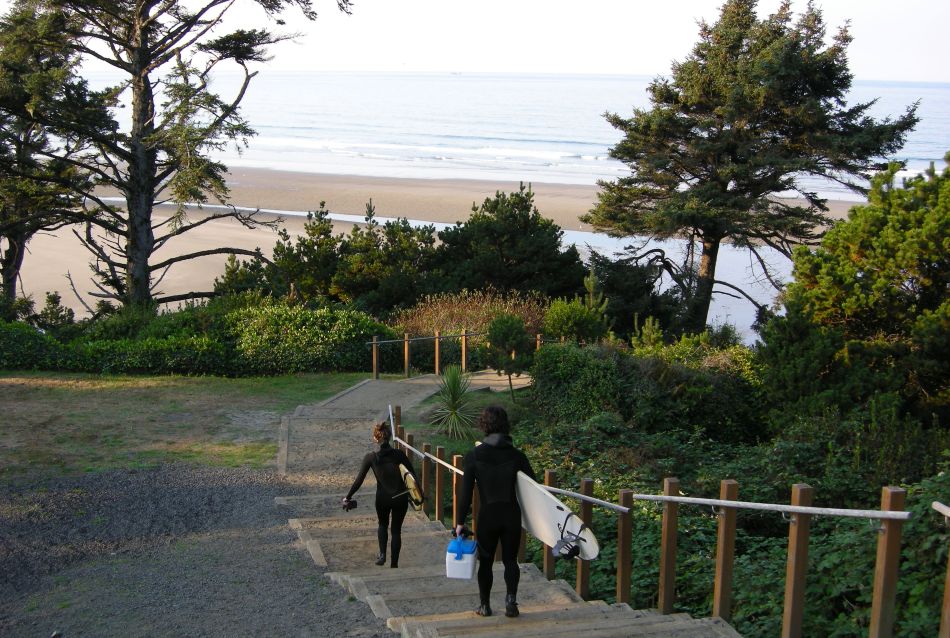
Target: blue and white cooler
(460, 558)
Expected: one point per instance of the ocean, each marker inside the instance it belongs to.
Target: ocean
(530, 128)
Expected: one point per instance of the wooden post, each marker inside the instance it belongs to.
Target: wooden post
(945, 614)
(582, 586)
(410, 440)
(439, 484)
(538, 338)
(671, 487)
(401, 433)
(885, 568)
(397, 416)
(797, 563)
(375, 357)
(438, 368)
(725, 551)
(456, 490)
(426, 479)
(624, 549)
(464, 349)
(405, 352)
(550, 479)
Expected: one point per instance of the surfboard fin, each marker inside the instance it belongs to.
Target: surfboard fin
(568, 547)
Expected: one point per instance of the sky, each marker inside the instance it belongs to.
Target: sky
(892, 41)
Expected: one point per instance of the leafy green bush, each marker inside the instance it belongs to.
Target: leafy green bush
(173, 355)
(126, 323)
(575, 321)
(23, 347)
(571, 383)
(281, 338)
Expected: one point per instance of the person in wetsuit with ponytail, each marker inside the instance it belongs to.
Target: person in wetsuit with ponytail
(392, 499)
(494, 466)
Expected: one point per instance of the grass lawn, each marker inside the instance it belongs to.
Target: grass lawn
(58, 422)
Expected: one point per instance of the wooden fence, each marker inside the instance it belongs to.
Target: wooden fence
(437, 339)
(799, 513)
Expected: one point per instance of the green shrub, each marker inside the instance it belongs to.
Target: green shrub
(277, 339)
(571, 383)
(126, 323)
(453, 414)
(575, 321)
(174, 355)
(23, 347)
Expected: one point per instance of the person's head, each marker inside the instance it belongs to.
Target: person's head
(494, 420)
(381, 432)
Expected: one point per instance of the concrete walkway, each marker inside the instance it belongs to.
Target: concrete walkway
(326, 442)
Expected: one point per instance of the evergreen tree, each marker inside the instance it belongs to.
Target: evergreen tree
(168, 53)
(37, 193)
(757, 106)
(510, 347)
(384, 267)
(506, 244)
(869, 310)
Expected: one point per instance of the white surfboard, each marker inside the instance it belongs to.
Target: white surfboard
(552, 522)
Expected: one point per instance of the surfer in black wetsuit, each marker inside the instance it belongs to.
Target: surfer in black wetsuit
(494, 466)
(392, 500)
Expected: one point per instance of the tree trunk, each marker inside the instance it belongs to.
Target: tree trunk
(699, 308)
(10, 263)
(140, 193)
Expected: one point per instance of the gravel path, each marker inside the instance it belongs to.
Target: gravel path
(180, 550)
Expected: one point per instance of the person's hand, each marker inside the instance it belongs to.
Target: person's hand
(345, 500)
(458, 530)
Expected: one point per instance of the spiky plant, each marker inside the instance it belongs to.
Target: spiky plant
(454, 414)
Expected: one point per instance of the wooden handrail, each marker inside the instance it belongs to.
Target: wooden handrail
(945, 610)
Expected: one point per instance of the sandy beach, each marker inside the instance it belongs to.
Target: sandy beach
(52, 256)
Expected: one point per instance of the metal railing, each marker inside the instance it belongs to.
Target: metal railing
(799, 513)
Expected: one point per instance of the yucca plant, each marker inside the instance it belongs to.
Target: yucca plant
(454, 414)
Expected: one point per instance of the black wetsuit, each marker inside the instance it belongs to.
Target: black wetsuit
(494, 466)
(389, 483)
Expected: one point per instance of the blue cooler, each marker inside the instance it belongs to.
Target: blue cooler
(460, 558)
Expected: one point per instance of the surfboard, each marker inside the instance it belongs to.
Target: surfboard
(553, 523)
(412, 488)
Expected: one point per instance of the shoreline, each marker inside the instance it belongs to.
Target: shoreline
(420, 199)
(52, 255)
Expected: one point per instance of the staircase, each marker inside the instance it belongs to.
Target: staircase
(326, 443)
(418, 601)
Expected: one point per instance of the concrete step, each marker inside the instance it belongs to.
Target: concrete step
(328, 529)
(590, 613)
(628, 623)
(720, 626)
(391, 585)
(410, 626)
(418, 549)
(529, 593)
